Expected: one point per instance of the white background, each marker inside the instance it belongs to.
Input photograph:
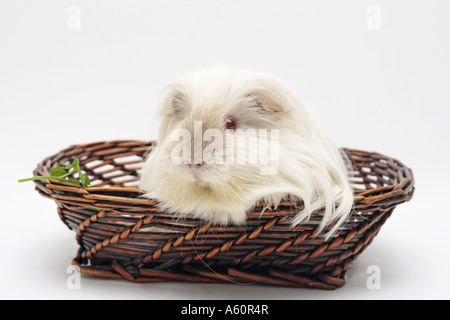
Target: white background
(384, 90)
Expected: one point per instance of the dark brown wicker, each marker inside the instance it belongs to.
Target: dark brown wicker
(124, 236)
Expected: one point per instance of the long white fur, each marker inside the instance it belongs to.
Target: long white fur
(310, 166)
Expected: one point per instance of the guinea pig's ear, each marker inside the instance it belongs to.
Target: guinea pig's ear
(265, 101)
(176, 103)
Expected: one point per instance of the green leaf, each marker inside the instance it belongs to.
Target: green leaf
(64, 171)
(74, 181)
(66, 166)
(85, 181)
(57, 171)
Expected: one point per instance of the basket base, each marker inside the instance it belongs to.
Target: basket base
(202, 273)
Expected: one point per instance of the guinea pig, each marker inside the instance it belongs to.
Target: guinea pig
(230, 138)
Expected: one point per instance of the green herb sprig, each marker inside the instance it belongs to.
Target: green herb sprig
(63, 172)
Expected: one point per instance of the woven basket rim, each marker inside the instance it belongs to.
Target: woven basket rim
(368, 196)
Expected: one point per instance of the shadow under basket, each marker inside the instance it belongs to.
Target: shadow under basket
(125, 236)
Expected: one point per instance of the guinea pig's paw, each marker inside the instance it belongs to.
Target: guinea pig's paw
(272, 202)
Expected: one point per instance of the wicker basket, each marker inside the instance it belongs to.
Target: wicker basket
(124, 236)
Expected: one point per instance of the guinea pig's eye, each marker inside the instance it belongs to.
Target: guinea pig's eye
(230, 123)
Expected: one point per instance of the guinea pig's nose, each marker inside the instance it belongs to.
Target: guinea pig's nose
(195, 165)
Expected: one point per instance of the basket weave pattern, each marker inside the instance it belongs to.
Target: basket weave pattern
(125, 236)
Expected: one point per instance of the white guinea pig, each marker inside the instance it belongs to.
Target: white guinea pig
(229, 138)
